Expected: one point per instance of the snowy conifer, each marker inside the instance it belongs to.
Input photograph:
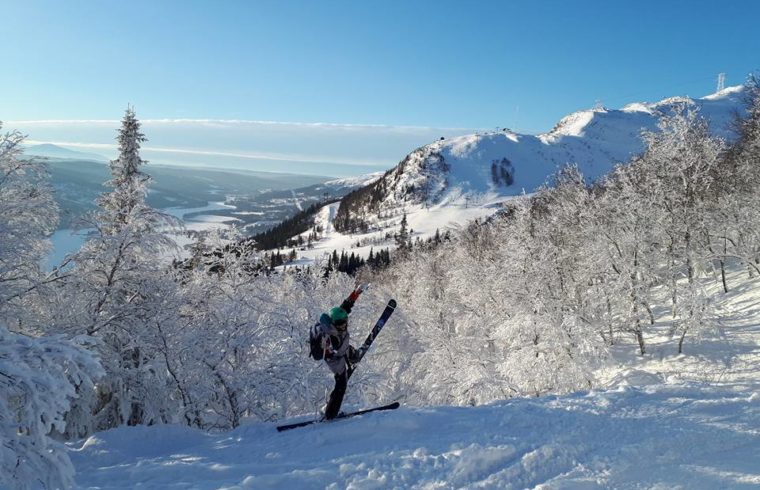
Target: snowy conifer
(119, 289)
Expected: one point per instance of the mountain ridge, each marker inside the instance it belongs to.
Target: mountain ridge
(453, 181)
(502, 164)
(49, 150)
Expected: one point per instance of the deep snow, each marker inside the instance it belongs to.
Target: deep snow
(661, 421)
(689, 435)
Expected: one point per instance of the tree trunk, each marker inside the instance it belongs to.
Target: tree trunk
(649, 312)
(635, 304)
(673, 284)
(689, 262)
(609, 315)
(723, 261)
(680, 342)
(637, 327)
(723, 275)
(640, 339)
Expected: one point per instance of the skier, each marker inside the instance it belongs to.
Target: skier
(338, 353)
(329, 340)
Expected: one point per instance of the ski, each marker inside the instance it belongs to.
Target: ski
(387, 312)
(390, 406)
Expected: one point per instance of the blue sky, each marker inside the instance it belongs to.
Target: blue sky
(444, 66)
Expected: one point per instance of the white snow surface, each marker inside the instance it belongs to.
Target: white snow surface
(422, 220)
(661, 421)
(358, 181)
(671, 436)
(666, 436)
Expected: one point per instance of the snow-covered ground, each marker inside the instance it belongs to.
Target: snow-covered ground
(661, 421)
(666, 436)
(422, 220)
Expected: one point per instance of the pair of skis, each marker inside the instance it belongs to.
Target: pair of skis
(379, 324)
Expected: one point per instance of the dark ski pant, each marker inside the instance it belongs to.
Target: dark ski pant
(336, 397)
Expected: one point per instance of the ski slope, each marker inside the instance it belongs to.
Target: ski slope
(660, 421)
(422, 220)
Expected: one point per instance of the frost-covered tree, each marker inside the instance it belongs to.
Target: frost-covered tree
(553, 336)
(678, 170)
(624, 236)
(501, 310)
(403, 239)
(28, 214)
(39, 379)
(240, 347)
(440, 346)
(118, 289)
(738, 177)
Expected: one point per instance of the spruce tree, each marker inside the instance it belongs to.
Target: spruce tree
(402, 238)
(118, 293)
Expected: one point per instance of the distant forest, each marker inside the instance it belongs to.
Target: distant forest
(282, 235)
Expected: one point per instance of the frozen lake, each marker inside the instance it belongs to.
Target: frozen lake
(67, 241)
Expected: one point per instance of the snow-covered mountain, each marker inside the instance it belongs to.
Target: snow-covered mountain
(353, 182)
(486, 166)
(453, 181)
(48, 150)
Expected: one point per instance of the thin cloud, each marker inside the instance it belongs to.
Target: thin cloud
(278, 157)
(255, 145)
(232, 122)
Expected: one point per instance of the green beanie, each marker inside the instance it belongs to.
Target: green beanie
(338, 315)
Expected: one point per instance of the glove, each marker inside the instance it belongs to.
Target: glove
(359, 290)
(354, 355)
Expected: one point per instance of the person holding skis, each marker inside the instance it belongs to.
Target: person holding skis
(339, 355)
(329, 340)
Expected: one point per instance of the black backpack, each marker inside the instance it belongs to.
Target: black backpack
(316, 334)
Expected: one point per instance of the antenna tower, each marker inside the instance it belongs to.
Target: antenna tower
(721, 81)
